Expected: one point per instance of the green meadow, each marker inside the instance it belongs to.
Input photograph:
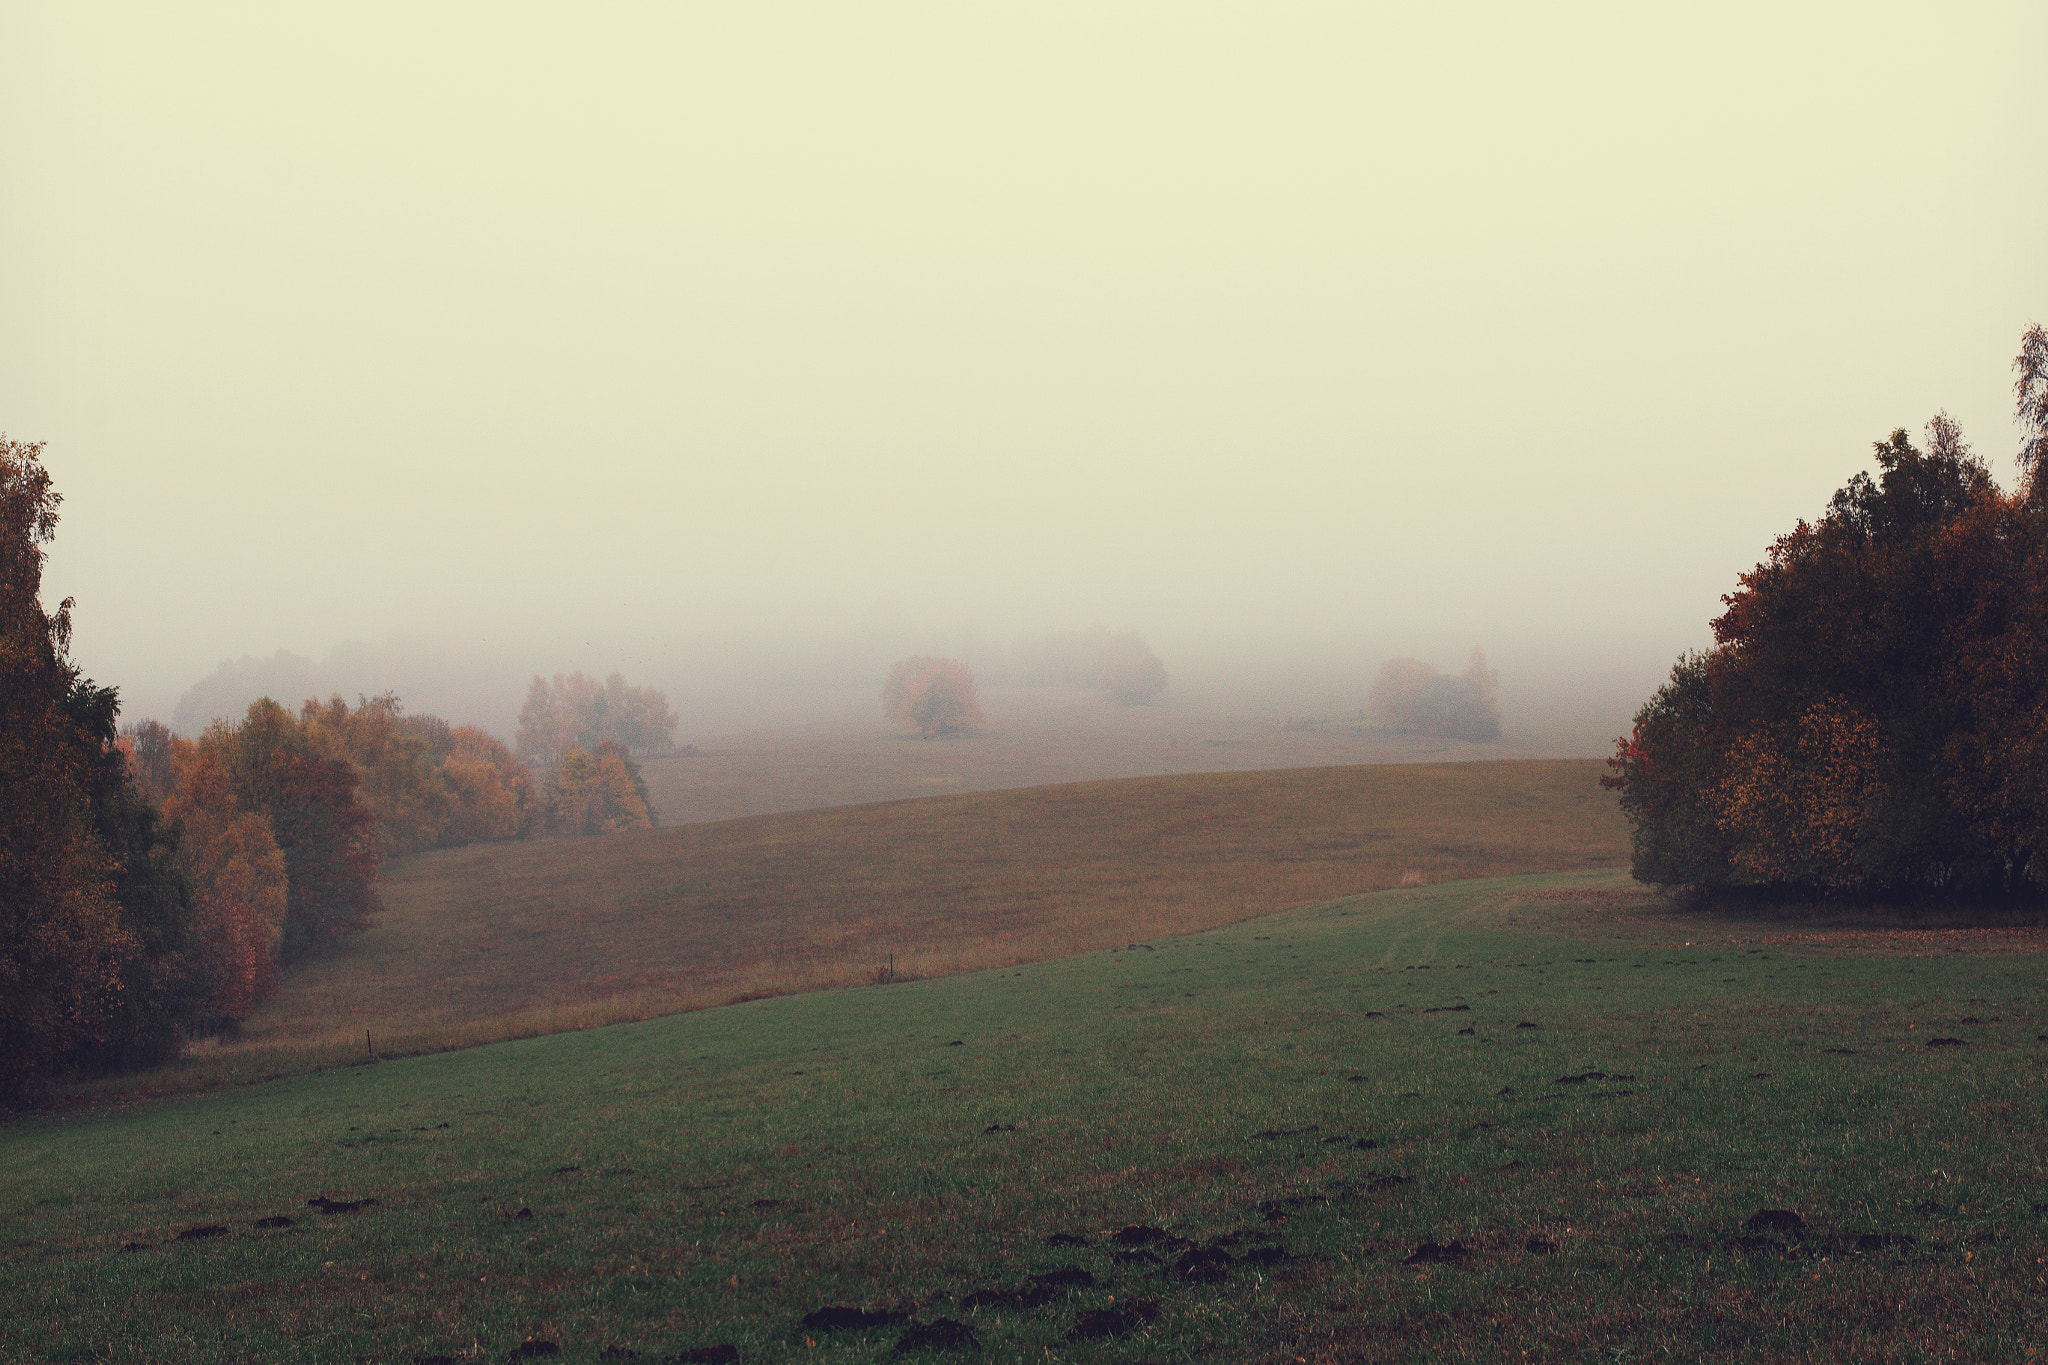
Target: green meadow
(1544, 1117)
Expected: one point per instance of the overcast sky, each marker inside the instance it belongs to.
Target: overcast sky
(351, 321)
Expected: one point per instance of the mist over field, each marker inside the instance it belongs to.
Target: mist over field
(743, 350)
(1558, 698)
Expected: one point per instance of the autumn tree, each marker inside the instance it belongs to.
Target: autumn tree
(330, 841)
(932, 696)
(1873, 717)
(575, 711)
(490, 791)
(429, 784)
(239, 880)
(397, 775)
(93, 919)
(1412, 697)
(596, 791)
(1129, 671)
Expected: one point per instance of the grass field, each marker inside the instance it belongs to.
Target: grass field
(1541, 1118)
(498, 941)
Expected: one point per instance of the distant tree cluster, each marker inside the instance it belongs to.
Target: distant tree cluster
(1413, 698)
(1117, 662)
(935, 697)
(583, 735)
(1872, 720)
(430, 785)
(576, 711)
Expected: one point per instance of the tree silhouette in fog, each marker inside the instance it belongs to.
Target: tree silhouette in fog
(933, 696)
(1412, 697)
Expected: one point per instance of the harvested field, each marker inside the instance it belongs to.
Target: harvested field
(510, 940)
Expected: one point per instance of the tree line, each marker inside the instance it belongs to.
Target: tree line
(154, 886)
(1872, 719)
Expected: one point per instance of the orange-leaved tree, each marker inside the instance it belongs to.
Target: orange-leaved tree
(490, 790)
(430, 785)
(932, 696)
(240, 886)
(596, 791)
(397, 775)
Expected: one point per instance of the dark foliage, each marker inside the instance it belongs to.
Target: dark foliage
(162, 985)
(62, 943)
(1872, 721)
(329, 840)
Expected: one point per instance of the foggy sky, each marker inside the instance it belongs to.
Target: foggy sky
(504, 324)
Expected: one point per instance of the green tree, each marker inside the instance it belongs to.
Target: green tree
(163, 983)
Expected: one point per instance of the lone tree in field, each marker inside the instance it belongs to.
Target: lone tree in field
(1873, 718)
(1129, 671)
(1411, 697)
(935, 696)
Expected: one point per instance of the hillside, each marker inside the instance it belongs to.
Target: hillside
(505, 940)
(1539, 1118)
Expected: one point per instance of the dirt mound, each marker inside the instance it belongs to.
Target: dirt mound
(1204, 1265)
(1111, 1322)
(1438, 1253)
(326, 1205)
(940, 1334)
(844, 1317)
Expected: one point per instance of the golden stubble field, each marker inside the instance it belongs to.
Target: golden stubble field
(510, 940)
